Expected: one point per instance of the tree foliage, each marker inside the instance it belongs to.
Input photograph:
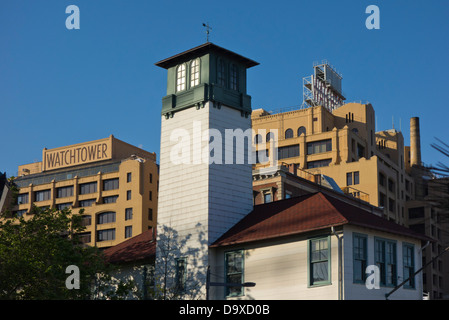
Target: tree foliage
(35, 252)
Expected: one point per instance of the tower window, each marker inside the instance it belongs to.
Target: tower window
(181, 78)
(195, 73)
(221, 73)
(234, 77)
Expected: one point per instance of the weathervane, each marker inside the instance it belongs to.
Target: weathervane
(208, 28)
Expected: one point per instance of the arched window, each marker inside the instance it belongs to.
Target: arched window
(181, 77)
(288, 133)
(195, 73)
(257, 139)
(270, 136)
(301, 130)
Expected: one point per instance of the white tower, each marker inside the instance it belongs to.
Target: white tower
(205, 180)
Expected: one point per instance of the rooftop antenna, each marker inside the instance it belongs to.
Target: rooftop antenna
(208, 28)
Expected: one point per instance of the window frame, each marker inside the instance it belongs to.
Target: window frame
(195, 72)
(106, 217)
(301, 130)
(89, 186)
(288, 134)
(42, 195)
(320, 144)
(411, 267)
(111, 184)
(234, 77)
(221, 73)
(181, 288)
(328, 281)
(364, 260)
(105, 231)
(181, 78)
(384, 270)
(241, 292)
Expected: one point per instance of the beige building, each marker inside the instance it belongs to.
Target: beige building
(114, 182)
(343, 145)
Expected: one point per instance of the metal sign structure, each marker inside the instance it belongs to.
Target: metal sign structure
(323, 88)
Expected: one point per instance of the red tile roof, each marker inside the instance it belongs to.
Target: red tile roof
(138, 248)
(303, 214)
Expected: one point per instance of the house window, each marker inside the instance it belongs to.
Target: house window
(110, 184)
(409, 265)
(42, 195)
(180, 278)
(128, 177)
(301, 130)
(64, 192)
(128, 213)
(150, 214)
(319, 146)
(195, 73)
(385, 260)
(319, 261)
(257, 139)
(106, 217)
(181, 78)
(359, 255)
(86, 188)
(128, 231)
(288, 133)
(234, 77)
(234, 272)
(128, 195)
(104, 235)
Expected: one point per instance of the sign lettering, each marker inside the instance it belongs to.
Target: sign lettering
(76, 155)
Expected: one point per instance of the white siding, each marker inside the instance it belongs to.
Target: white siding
(358, 291)
(280, 270)
(201, 201)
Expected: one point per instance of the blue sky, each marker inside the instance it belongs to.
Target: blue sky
(59, 87)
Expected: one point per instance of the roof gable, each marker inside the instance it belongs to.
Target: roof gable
(304, 214)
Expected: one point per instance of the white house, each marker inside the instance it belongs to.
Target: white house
(316, 247)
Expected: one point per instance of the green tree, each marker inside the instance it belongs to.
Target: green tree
(35, 253)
